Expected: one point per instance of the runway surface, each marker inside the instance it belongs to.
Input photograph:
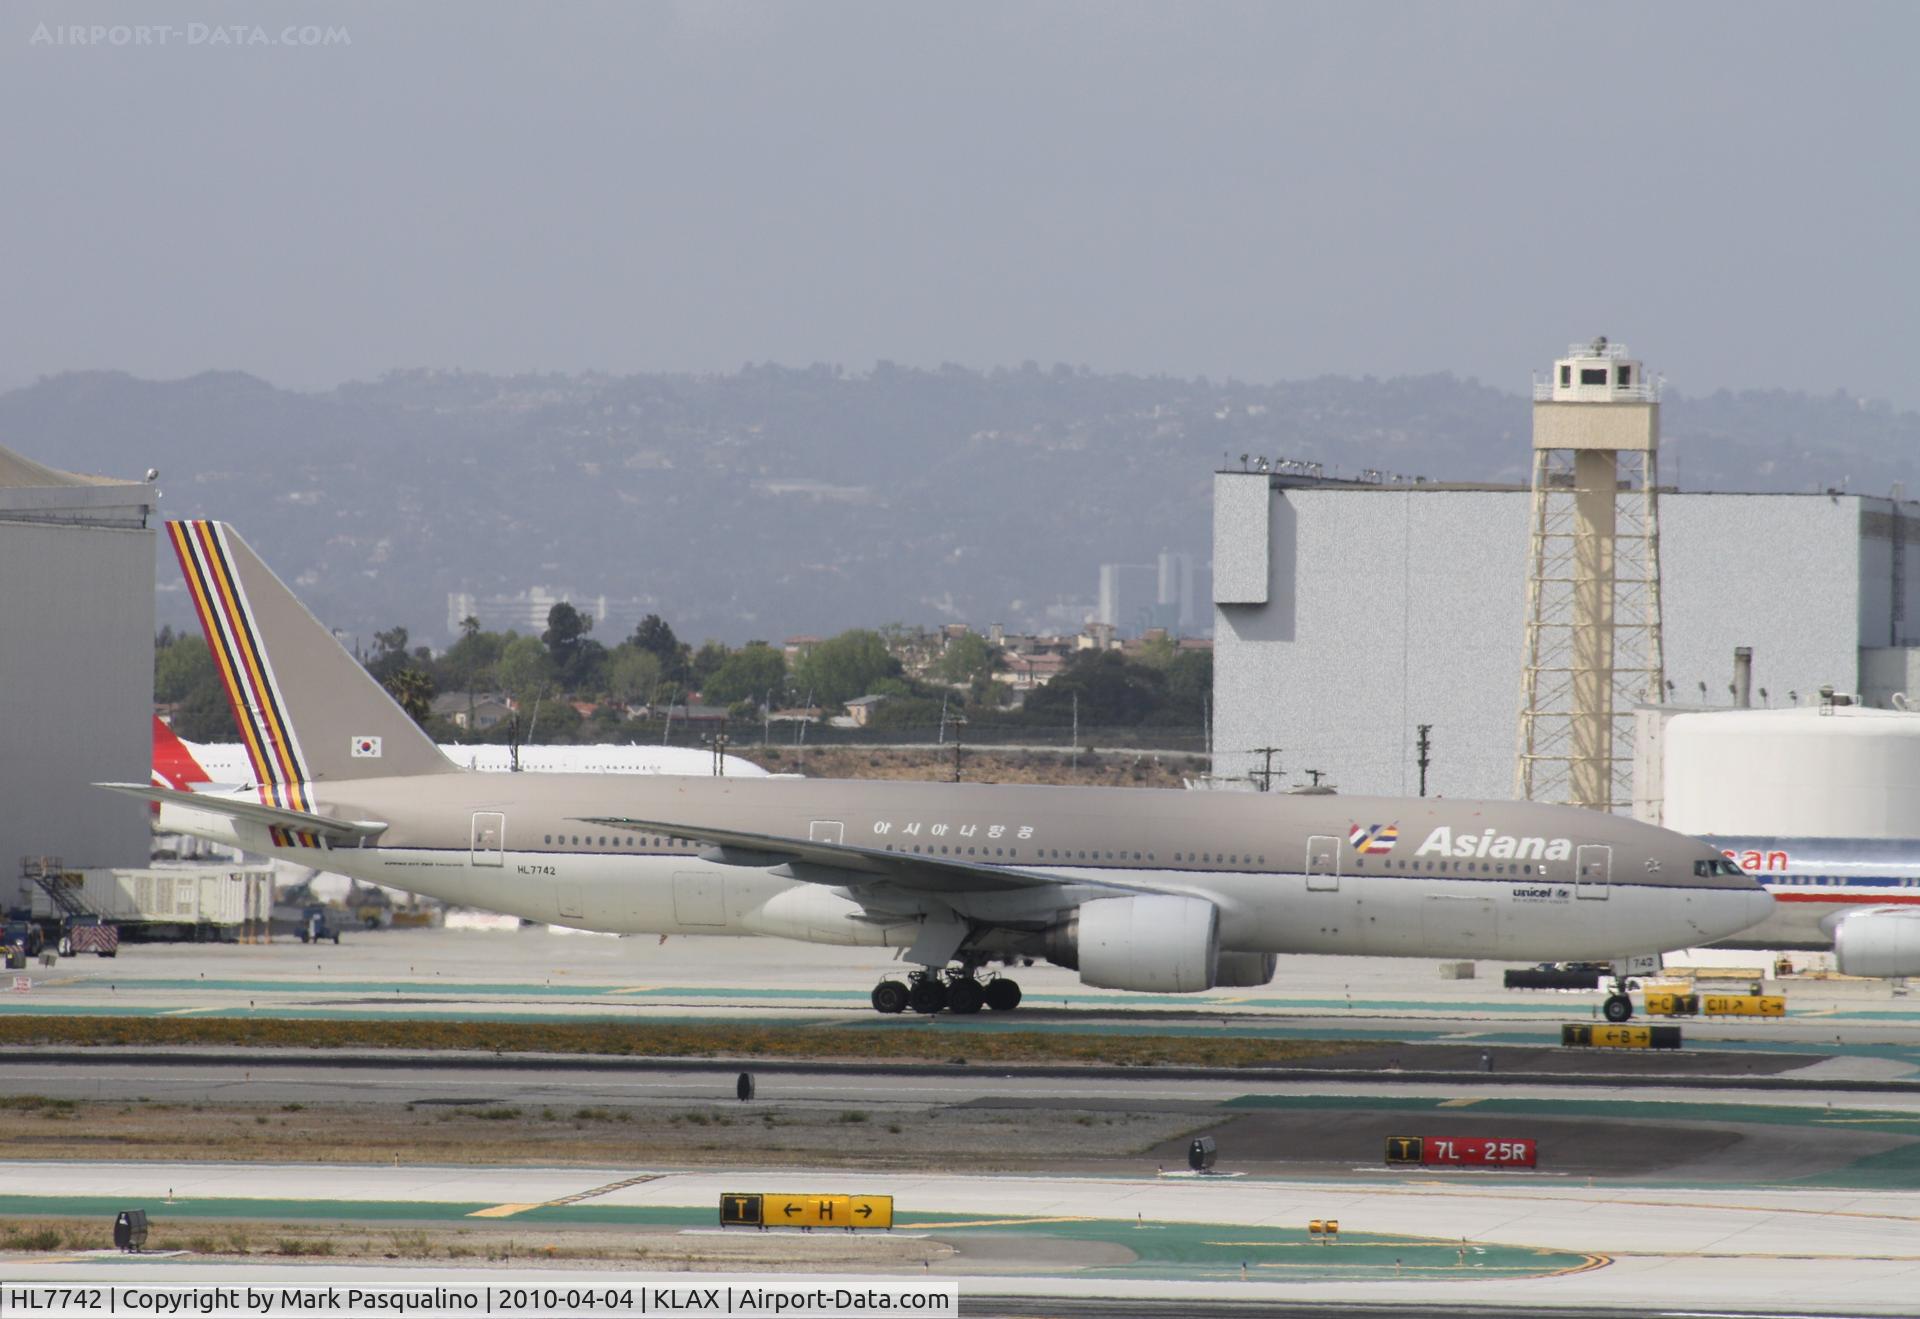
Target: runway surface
(1733, 1134)
(1772, 1166)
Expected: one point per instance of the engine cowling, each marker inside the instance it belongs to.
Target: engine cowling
(1244, 970)
(1159, 943)
(1881, 942)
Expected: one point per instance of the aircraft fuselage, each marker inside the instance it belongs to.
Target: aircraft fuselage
(1289, 874)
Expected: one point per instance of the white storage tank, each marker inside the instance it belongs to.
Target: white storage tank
(1844, 771)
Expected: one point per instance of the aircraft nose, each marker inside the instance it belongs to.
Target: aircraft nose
(1740, 909)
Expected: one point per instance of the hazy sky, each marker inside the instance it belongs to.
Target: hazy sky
(1265, 191)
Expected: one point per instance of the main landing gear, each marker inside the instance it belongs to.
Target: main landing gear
(959, 991)
(1618, 1007)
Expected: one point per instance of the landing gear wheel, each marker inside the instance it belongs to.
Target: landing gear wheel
(927, 995)
(1617, 1008)
(890, 996)
(966, 996)
(1003, 995)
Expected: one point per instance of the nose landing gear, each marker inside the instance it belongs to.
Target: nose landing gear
(959, 991)
(1618, 1006)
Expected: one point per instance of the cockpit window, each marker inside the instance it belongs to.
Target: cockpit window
(1718, 866)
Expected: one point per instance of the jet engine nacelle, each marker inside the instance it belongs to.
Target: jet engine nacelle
(1883, 941)
(1160, 943)
(1244, 970)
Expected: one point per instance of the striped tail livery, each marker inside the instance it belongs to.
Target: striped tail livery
(307, 710)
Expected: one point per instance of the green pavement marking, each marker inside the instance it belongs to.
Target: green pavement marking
(273, 1013)
(588, 992)
(1784, 1115)
(1890, 1170)
(1161, 1250)
(452, 989)
(1201, 1251)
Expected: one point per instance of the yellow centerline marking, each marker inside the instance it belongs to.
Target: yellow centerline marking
(185, 1012)
(509, 1210)
(632, 989)
(1461, 1103)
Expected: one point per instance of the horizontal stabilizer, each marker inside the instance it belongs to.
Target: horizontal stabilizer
(253, 812)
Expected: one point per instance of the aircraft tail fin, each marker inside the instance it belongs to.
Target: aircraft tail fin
(307, 709)
(174, 765)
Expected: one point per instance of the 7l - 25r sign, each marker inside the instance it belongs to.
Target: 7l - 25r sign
(1462, 1152)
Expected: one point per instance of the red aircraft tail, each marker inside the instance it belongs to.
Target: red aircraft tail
(174, 765)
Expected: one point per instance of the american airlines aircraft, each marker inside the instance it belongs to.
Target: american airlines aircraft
(1158, 891)
(178, 763)
(1859, 897)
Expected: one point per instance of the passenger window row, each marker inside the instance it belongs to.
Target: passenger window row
(1459, 867)
(630, 844)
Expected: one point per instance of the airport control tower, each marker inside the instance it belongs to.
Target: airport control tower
(1593, 579)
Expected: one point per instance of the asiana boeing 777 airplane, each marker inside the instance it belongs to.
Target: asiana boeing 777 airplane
(1160, 891)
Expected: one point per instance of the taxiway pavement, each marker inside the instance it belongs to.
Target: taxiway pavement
(1504, 1241)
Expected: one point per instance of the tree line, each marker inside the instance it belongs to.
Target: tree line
(651, 670)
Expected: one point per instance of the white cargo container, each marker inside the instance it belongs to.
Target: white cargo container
(184, 901)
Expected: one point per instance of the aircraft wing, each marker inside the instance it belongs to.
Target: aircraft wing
(906, 870)
(253, 812)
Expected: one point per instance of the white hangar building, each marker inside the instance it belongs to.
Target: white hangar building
(1347, 614)
(76, 666)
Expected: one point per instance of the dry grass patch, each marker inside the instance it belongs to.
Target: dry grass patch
(902, 1041)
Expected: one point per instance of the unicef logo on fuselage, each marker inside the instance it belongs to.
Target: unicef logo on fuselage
(1490, 843)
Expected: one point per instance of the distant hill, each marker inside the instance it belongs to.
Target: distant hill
(777, 500)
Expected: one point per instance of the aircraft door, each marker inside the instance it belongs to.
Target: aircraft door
(1323, 864)
(699, 898)
(827, 831)
(1593, 872)
(566, 894)
(489, 838)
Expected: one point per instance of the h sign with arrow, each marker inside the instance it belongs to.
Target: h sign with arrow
(806, 1212)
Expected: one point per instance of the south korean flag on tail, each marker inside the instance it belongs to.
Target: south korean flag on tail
(366, 748)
